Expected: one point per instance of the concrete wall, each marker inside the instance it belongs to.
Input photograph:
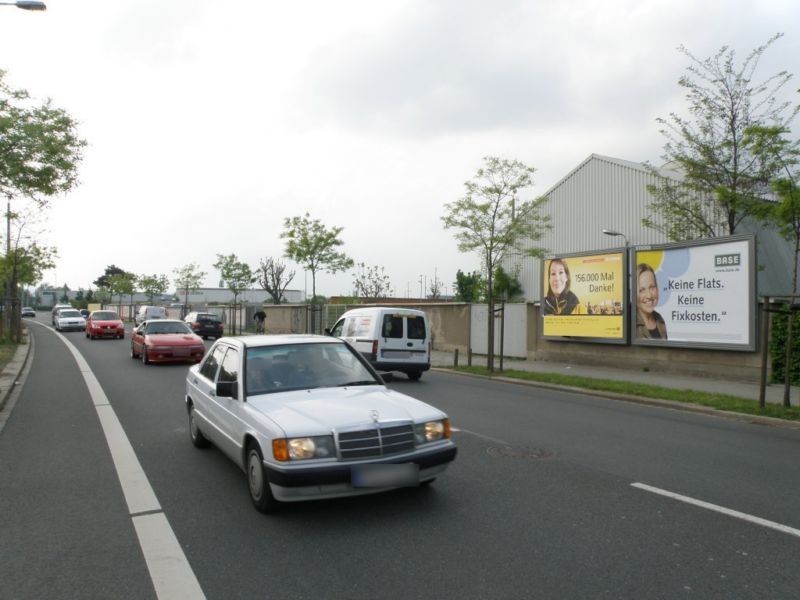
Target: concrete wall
(451, 324)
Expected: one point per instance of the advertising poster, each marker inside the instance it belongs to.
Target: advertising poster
(701, 294)
(584, 296)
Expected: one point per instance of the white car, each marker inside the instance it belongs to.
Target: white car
(69, 319)
(306, 417)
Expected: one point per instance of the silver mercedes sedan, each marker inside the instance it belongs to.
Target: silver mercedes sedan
(306, 417)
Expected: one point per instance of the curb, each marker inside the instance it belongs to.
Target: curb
(682, 406)
(12, 371)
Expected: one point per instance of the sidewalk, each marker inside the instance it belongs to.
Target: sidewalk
(774, 393)
(11, 372)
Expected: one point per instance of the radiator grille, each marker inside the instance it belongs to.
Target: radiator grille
(372, 443)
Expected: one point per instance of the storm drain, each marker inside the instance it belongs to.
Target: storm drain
(519, 453)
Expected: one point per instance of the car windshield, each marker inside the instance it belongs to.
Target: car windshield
(166, 327)
(105, 315)
(303, 366)
(69, 313)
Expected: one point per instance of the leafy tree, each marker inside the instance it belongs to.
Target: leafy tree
(722, 182)
(272, 276)
(110, 271)
(311, 244)
(122, 284)
(507, 285)
(778, 154)
(65, 295)
(237, 276)
(371, 282)
(188, 278)
(490, 220)
(152, 285)
(469, 287)
(39, 156)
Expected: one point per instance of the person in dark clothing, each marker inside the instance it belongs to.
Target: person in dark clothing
(560, 300)
(260, 318)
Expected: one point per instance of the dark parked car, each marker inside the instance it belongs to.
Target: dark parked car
(204, 324)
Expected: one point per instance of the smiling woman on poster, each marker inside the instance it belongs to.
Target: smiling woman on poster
(560, 300)
(649, 324)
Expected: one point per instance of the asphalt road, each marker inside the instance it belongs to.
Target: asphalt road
(540, 502)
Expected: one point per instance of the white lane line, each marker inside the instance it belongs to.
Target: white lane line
(169, 568)
(170, 571)
(720, 509)
(480, 435)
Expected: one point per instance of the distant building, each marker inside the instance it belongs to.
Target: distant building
(610, 193)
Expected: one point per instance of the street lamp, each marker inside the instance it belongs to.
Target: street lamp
(26, 4)
(613, 233)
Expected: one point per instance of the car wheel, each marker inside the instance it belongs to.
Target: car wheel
(257, 483)
(414, 375)
(122, 337)
(133, 352)
(198, 439)
(87, 334)
(145, 359)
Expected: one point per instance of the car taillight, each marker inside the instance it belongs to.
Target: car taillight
(375, 348)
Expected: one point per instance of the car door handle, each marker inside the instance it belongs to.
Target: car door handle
(409, 344)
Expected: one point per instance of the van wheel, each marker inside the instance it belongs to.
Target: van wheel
(414, 375)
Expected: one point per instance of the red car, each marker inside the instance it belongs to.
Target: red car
(104, 323)
(166, 340)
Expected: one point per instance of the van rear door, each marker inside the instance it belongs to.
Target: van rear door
(404, 339)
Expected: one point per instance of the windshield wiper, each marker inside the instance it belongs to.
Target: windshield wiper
(361, 382)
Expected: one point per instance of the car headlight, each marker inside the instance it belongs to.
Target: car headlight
(432, 431)
(303, 448)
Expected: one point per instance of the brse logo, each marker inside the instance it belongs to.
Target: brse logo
(728, 260)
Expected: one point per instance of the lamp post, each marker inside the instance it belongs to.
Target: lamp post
(26, 4)
(613, 233)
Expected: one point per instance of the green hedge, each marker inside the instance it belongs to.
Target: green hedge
(777, 346)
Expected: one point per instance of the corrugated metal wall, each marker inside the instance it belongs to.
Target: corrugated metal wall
(601, 193)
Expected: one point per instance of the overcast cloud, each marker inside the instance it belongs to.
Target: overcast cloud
(209, 123)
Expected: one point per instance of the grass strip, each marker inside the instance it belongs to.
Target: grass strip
(717, 401)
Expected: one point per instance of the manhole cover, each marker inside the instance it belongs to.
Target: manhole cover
(516, 452)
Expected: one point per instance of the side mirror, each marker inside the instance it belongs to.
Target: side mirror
(327, 331)
(228, 389)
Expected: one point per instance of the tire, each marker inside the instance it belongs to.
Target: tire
(133, 352)
(197, 437)
(414, 375)
(426, 483)
(145, 360)
(122, 337)
(87, 334)
(257, 483)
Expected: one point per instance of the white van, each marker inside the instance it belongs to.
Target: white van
(391, 339)
(145, 313)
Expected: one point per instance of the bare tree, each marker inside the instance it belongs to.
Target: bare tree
(372, 282)
(272, 276)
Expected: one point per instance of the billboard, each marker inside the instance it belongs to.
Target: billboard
(584, 296)
(695, 294)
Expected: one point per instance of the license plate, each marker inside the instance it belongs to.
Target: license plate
(181, 351)
(396, 354)
(373, 476)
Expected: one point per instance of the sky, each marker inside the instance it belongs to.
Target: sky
(209, 123)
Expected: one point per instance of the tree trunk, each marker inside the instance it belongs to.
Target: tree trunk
(490, 330)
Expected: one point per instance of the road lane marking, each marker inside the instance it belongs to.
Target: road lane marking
(169, 569)
(480, 435)
(720, 509)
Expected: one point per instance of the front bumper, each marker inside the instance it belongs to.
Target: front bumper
(334, 480)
